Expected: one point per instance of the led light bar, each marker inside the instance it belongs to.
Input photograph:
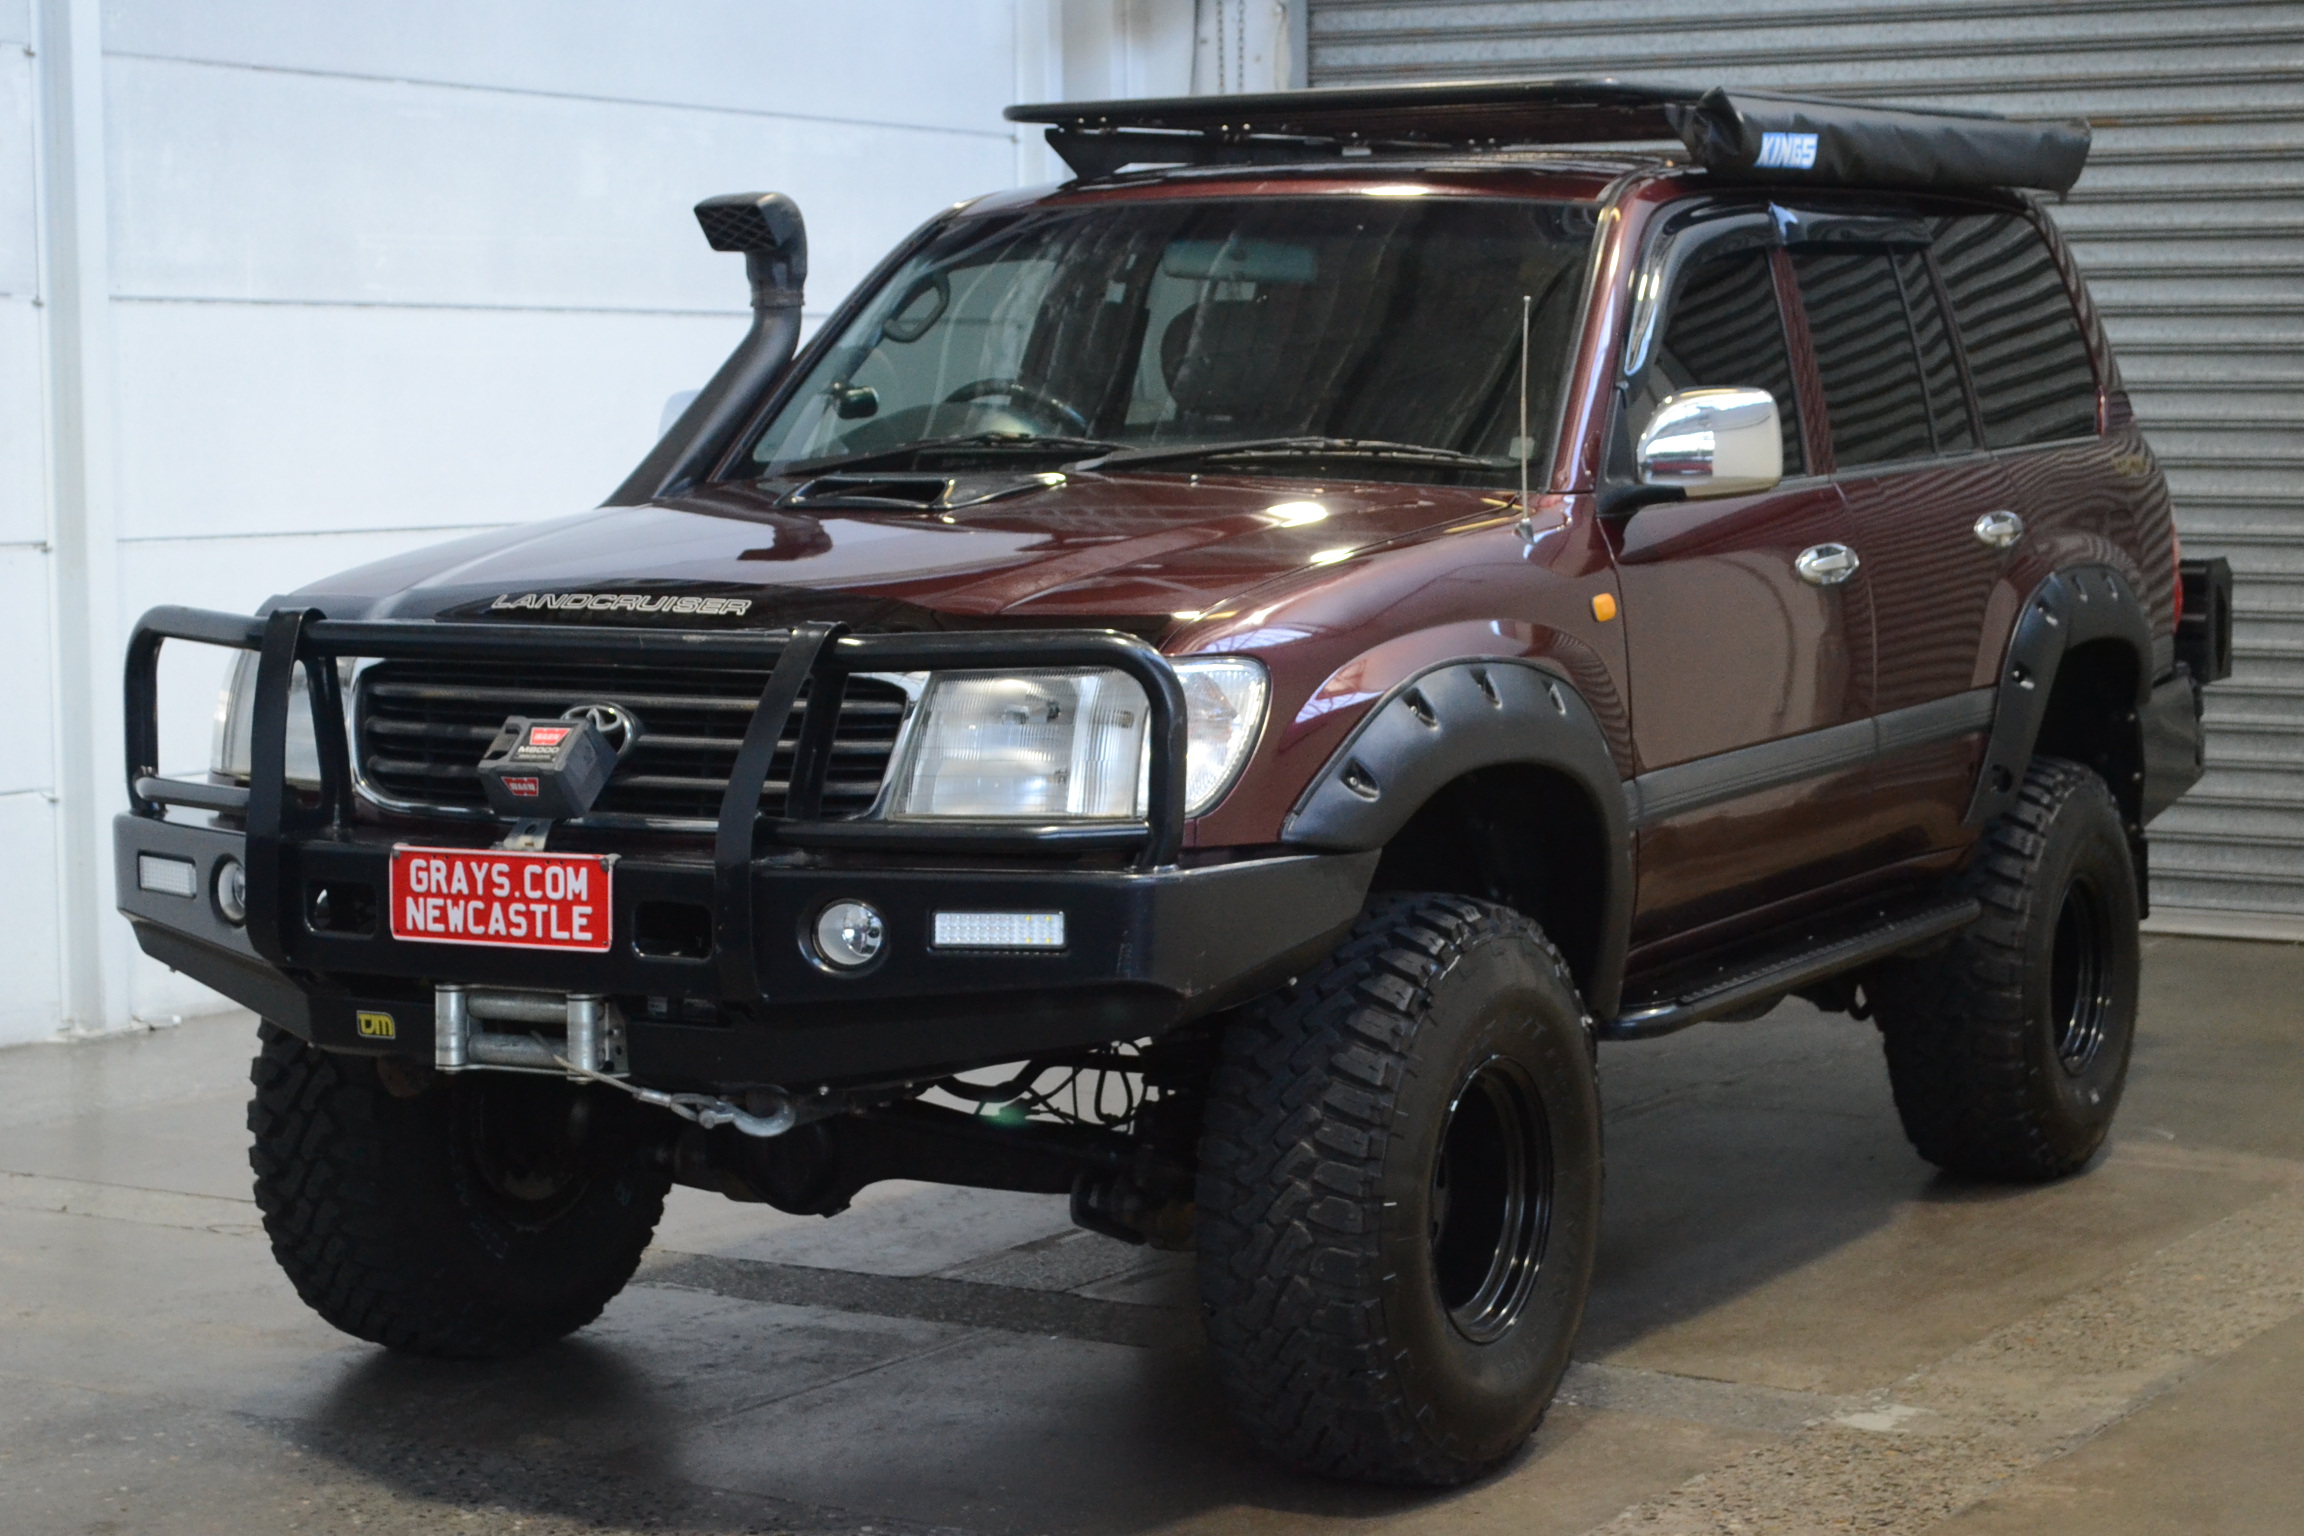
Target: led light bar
(998, 930)
(166, 876)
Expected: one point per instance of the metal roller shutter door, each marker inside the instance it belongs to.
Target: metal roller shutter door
(2189, 223)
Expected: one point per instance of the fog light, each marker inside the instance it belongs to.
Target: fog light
(848, 935)
(999, 930)
(166, 876)
(231, 892)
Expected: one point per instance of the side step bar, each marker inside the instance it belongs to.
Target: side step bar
(1818, 953)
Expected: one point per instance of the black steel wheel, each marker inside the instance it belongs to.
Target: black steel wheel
(2008, 1050)
(1399, 1196)
(2082, 1001)
(1491, 1200)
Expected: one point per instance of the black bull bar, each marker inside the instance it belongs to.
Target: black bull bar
(1155, 940)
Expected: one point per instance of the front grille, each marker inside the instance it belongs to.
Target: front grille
(423, 725)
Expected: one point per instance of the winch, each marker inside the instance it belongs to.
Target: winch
(592, 1031)
(591, 1049)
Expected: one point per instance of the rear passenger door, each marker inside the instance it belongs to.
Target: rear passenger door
(2035, 383)
(1931, 512)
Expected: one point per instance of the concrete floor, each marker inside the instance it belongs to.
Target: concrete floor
(1797, 1328)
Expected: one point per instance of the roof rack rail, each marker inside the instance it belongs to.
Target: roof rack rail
(1753, 135)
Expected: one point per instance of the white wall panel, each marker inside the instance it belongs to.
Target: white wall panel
(23, 457)
(19, 263)
(248, 184)
(939, 62)
(32, 1001)
(235, 575)
(385, 273)
(242, 418)
(27, 743)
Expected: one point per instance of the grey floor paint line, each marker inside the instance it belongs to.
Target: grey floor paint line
(975, 1304)
(1949, 1434)
(126, 1202)
(928, 1298)
(1694, 1400)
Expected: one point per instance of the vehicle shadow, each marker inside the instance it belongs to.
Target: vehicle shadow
(573, 1431)
(1737, 1155)
(595, 1434)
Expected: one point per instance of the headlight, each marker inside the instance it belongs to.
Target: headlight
(233, 753)
(1037, 744)
(1070, 745)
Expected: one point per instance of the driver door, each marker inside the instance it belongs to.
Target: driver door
(1750, 681)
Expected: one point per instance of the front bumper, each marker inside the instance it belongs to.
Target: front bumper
(1148, 945)
(1145, 951)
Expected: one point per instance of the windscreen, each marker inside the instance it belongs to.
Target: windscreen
(1172, 324)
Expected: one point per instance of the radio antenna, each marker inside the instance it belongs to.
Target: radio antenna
(1523, 446)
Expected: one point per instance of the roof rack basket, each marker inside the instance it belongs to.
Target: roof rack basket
(1749, 135)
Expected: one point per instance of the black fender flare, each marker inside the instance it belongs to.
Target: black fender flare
(1448, 720)
(2075, 606)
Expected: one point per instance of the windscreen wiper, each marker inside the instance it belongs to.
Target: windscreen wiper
(1299, 448)
(1027, 441)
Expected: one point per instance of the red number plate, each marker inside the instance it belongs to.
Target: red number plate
(503, 900)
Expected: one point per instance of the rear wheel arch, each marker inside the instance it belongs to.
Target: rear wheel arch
(1489, 779)
(2076, 673)
(2090, 718)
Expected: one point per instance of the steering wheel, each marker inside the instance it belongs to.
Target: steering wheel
(1027, 394)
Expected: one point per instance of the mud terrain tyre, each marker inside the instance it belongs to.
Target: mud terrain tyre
(1399, 1196)
(481, 1216)
(2009, 1049)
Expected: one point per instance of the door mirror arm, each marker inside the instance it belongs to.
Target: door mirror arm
(1622, 498)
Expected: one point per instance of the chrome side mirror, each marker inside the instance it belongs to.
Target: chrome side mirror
(1713, 442)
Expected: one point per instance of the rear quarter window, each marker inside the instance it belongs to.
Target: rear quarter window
(2026, 354)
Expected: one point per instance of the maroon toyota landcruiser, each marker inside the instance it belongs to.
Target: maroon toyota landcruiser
(1210, 690)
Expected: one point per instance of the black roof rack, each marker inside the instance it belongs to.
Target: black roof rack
(1741, 134)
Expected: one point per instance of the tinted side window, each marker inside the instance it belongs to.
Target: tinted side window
(1725, 330)
(1947, 401)
(2034, 382)
(1865, 355)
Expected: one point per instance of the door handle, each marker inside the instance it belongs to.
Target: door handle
(1826, 565)
(1999, 530)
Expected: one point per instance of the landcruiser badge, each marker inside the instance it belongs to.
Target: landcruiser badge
(625, 602)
